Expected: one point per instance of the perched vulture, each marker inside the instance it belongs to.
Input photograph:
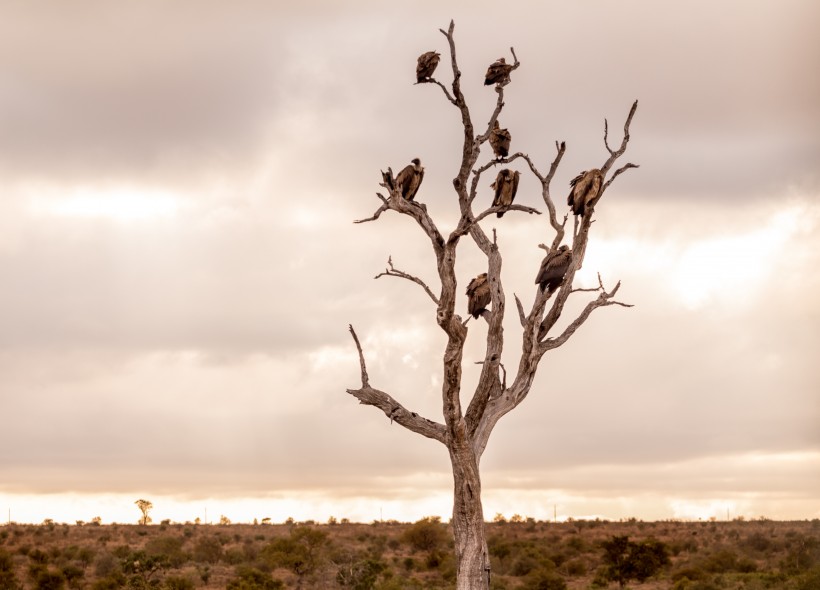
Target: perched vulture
(478, 295)
(505, 185)
(409, 179)
(585, 189)
(500, 140)
(498, 73)
(427, 65)
(553, 268)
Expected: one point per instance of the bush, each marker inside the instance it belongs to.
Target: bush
(248, 578)
(625, 560)
(427, 534)
(544, 580)
(167, 548)
(207, 550)
(7, 578)
(178, 583)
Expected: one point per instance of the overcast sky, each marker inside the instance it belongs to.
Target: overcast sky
(178, 262)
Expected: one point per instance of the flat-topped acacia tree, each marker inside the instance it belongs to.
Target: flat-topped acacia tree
(465, 434)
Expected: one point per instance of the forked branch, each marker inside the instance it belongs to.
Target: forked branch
(369, 396)
(391, 271)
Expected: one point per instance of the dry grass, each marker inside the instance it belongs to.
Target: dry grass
(749, 555)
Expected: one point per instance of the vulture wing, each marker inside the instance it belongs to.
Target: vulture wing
(553, 268)
(478, 294)
(500, 141)
(498, 73)
(415, 183)
(498, 185)
(404, 178)
(426, 65)
(595, 179)
(584, 191)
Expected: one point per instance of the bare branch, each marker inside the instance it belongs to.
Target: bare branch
(384, 207)
(444, 89)
(392, 409)
(614, 155)
(606, 137)
(620, 170)
(603, 300)
(392, 272)
(521, 315)
(365, 378)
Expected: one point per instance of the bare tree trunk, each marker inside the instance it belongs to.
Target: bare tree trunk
(472, 557)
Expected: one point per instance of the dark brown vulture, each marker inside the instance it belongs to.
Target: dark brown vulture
(409, 179)
(553, 268)
(585, 191)
(505, 185)
(427, 65)
(498, 73)
(500, 140)
(478, 295)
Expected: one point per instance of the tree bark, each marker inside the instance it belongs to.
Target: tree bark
(472, 556)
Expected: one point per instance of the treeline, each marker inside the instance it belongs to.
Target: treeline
(525, 554)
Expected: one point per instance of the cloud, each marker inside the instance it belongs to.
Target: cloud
(180, 264)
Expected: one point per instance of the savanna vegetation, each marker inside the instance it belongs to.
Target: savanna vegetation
(525, 554)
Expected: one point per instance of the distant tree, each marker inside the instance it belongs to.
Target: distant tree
(465, 429)
(625, 560)
(427, 534)
(145, 506)
(224, 520)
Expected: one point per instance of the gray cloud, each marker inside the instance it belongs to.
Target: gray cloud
(210, 345)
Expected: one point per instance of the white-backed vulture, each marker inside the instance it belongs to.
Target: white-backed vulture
(505, 185)
(498, 73)
(409, 179)
(500, 140)
(585, 191)
(478, 295)
(553, 268)
(427, 65)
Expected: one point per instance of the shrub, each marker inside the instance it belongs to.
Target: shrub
(427, 534)
(207, 550)
(361, 574)
(625, 560)
(167, 548)
(178, 583)
(7, 578)
(248, 578)
(544, 580)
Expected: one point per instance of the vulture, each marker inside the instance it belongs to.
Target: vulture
(409, 179)
(505, 185)
(585, 191)
(478, 295)
(500, 141)
(427, 65)
(498, 73)
(553, 268)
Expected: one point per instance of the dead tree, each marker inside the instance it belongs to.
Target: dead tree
(465, 433)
